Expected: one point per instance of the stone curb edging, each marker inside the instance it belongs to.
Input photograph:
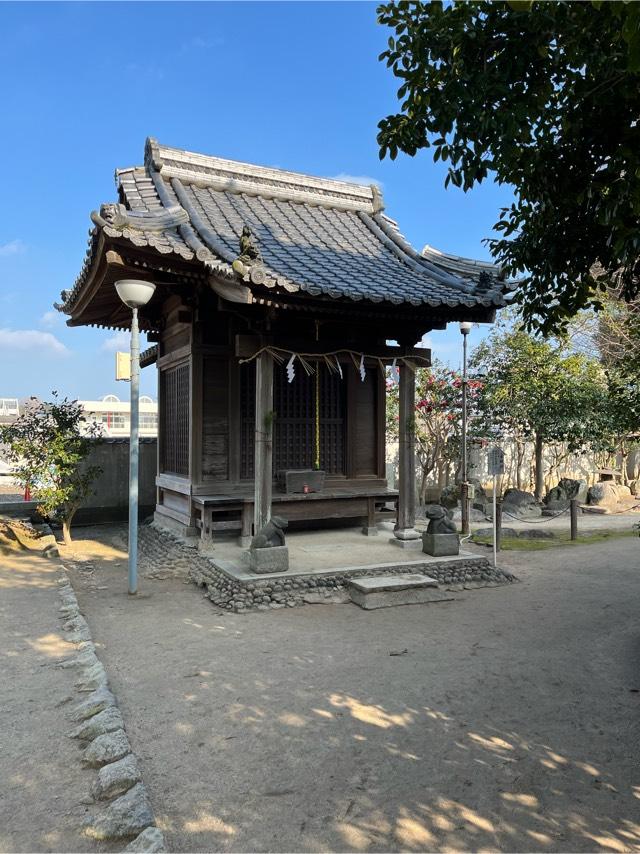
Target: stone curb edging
(124, 808)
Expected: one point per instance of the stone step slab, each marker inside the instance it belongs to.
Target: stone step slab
(371, 592)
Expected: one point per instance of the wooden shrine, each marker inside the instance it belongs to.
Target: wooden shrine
(277, 296)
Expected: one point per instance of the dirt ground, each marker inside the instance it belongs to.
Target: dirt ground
(42, 782)
(504, 720)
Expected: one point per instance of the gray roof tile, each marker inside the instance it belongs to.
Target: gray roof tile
(315, 235)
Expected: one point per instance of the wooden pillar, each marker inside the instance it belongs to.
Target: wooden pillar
(574, 518)
(404, 530)
(263, 441)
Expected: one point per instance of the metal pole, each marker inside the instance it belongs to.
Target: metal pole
(495, 523)
(133, 456)
(464, 491)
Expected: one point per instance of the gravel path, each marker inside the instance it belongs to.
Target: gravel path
(42, 783)
(504, 720)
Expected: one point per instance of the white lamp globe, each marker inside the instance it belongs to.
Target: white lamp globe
(135, 292)
(465, 327)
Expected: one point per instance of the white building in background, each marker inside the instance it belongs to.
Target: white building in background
(114, 417)
(9, 409)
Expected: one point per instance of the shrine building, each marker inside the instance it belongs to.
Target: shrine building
(276, 294)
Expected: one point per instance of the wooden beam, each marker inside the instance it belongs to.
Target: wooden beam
(263, 441)
(404, 529)
(247, 346)
(231, 291)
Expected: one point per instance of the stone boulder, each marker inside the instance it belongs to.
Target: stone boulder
(450, 496)
(474, 516)
(480, 500)
(561, 495)
(520, 504)
(608, 493)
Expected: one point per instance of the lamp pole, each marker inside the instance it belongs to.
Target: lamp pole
(134, 454)
(465, 328)
(134, 294)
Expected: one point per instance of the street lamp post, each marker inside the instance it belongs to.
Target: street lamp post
(465, 328)
(134, 293)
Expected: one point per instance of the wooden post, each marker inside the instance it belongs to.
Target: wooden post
(574, 518)
(498, 524)
(263, 441)
(404, 529)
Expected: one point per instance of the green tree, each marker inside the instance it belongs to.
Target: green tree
(438, 421)
(544, 97)
(538, 390)
(48, 446)
(614, 334)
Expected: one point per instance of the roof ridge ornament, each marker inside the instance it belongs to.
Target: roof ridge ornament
(152, 157)
(249, 260)
(378, 202)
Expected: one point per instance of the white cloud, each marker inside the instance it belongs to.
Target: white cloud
(13, 247)
(118, 341)
(357, 179)
(50, 319)
(32, 341)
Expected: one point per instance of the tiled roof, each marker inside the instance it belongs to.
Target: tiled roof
(315, 235)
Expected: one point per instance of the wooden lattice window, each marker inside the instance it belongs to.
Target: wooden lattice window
(294, 425)
(174, 432)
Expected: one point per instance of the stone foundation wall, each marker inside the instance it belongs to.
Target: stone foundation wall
(162, 554)
(290, 591)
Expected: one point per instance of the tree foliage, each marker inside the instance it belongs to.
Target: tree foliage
(614, 334)
(544, 97)
(438, 420)
(48, 446)
(542, 391)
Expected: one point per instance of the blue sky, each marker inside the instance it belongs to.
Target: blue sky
(294, 85)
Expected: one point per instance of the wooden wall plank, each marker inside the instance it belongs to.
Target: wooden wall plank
(215, 419)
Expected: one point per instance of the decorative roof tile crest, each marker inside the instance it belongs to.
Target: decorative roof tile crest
(234, 176)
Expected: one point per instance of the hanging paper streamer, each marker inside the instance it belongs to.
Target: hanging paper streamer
(363, 373)
(339, 366)
(290, 369)
(395, 373)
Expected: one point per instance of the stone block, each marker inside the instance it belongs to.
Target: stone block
(125, 817)
(413, 545)
(371, 592)
(108, 720)
(440, 545)
(96, 702)
(150, 841)
(107, 748)
(263, 561)
(116, 778)
(369, 530)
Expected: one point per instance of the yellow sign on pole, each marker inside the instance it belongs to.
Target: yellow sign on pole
(123, 366)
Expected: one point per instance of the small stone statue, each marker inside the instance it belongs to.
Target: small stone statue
(271, 535)
(249, 252)
(441, 537)
(439, 521)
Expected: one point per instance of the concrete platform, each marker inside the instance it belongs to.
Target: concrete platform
(371, 592)
(330, 552)
(239, 570)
